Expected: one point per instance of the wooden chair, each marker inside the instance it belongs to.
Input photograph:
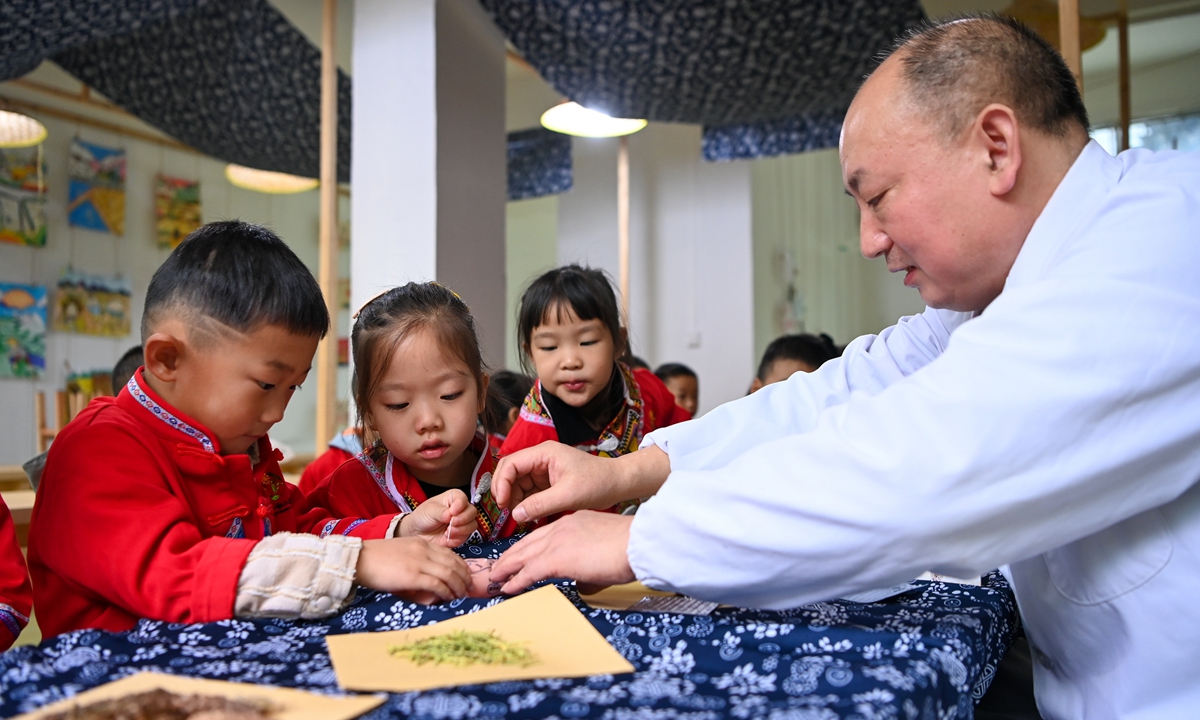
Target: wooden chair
(62, 416)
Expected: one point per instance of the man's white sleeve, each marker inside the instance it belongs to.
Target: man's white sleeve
(868, 365)
(1028, 433)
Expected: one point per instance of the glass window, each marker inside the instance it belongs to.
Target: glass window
(1170, 133)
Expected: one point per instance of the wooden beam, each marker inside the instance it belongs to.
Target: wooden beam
(38, 109)
(328, 263)
(83, 96)
(623, 219)
(1068, 36)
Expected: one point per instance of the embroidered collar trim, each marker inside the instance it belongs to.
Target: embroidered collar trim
(143, 398)
(381, 465)
(619, 437)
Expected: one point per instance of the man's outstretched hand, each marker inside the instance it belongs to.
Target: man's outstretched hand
(552, 478)
(589, 547)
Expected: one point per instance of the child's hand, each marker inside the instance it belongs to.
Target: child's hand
(482, 585)
(447, 519)
(413, 569)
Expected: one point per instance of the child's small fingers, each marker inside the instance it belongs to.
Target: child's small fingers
(450, 581)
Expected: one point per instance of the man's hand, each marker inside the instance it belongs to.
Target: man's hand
(413, 569)
(551, 478)
(589, 547)
(447, 519)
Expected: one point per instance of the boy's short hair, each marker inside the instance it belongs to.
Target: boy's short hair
(126, 367)
(666, 371)
(240, 275)
(812, 350)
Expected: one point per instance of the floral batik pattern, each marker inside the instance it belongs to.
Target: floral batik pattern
(930, 652)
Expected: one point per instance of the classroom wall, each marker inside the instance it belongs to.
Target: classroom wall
(809, 275)
(136, 256)
(1167, 88)
(690, 250)
(531, 237)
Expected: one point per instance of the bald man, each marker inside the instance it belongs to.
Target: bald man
(1043, 412)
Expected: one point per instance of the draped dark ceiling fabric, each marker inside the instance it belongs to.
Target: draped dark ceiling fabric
(33, 30)
(539, 163)
(235, 80)
(763, 76)
(232, 78)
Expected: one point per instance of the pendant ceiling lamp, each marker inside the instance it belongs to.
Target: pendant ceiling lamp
(265, 181)
(18, 131)
(572, 118)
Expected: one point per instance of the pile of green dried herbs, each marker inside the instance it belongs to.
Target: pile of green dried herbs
(465, 647)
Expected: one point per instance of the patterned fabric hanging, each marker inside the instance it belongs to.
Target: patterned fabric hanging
(539, 163)
(763, 77)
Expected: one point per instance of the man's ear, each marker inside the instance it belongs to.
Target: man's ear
(756, 385)
(997, 135)
(163, 352)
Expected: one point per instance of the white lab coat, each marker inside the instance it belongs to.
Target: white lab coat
(1058, 431)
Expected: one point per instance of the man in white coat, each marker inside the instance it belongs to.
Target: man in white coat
(1043, 412)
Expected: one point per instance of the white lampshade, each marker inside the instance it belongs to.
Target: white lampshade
(265, 181)
(18, 131)
(574, 119)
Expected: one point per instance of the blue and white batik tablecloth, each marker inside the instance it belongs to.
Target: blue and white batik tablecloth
(928, 653)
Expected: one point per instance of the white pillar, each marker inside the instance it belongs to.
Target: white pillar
(428, 172)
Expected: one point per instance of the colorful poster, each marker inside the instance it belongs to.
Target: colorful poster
(97, 189)
(22, 331)
(92, 305)
(176, 209)
(23, 196)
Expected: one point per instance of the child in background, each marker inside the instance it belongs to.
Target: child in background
(342, 447)
(420, 387)
(681, 380)
(126, 367)
(167, 502)
(788, 354)
(584, 396)
(508, 391)
(16, 596)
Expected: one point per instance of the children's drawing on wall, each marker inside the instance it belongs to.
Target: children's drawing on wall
(23, 196)
(22, 330)
(789, 312)
(176, 209)
(97, 189)
(92, 305)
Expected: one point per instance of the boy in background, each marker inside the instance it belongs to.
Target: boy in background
(788, 354)
(167, 502)
(681, 380)
(126, 367)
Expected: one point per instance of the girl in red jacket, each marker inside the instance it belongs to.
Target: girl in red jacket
(570, 332)
(421, 390)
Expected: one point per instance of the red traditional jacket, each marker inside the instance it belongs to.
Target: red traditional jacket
(374, 482)
(649, 405)
(139, 515)
(16, 597)
(322, 467)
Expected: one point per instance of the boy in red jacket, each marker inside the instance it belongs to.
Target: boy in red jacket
(16, 598)
(167, 501)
